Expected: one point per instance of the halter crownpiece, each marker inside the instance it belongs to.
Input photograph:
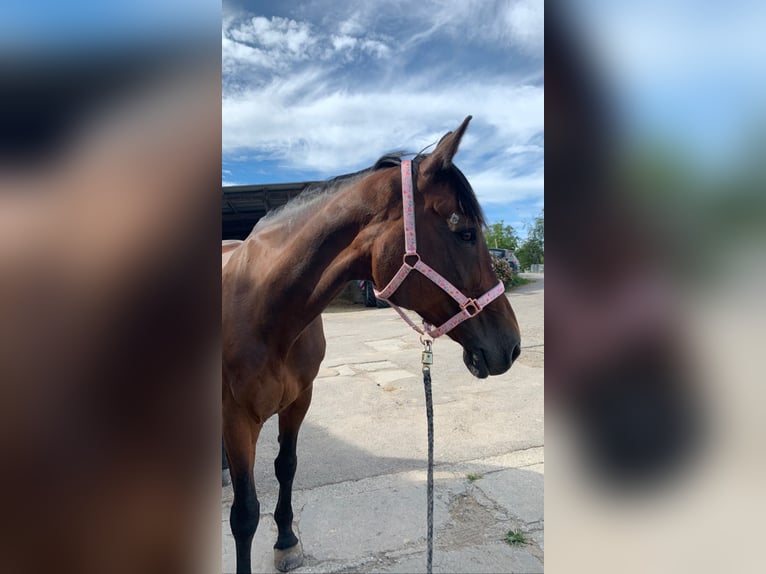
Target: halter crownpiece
(468, 307)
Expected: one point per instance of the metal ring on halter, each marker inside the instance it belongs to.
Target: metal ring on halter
(406, 255)
(471, 303)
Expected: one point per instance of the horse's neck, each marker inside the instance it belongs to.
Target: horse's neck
(310, 265)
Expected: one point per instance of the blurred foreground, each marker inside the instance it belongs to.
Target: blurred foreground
(109, 298)
(654, 308)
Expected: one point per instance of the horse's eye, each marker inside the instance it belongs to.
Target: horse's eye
(467, 235)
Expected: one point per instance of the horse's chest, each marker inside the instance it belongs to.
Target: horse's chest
(265, 389)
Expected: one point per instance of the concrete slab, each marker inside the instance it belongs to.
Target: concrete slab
(484, 559)
(518, 491)
(388, 376)
(377, 516)
(345, 371)
(374, 366)
(386, 345)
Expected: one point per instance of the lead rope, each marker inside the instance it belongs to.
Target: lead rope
(427, 360)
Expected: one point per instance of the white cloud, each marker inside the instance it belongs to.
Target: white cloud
(518, 23)
(499, 185)
(525, 21)
(343, 42)
(233, 53)
(294, 94)
(274, 33)
(279, 44)
(376, 47)
(308, 128)
(270, 43)
(352, 25)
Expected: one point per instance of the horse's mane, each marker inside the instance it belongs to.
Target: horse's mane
(318, 191)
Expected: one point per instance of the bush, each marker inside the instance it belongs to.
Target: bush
(503, 271)
(507, 275)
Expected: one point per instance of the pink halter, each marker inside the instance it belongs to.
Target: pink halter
(468, 307)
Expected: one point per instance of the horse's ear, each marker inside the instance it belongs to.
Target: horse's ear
(441, 158)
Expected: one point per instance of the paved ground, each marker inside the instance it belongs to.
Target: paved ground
(360, 498)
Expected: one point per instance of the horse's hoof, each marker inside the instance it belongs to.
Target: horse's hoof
(288, 558)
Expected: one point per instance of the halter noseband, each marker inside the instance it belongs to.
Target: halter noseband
(468, 307)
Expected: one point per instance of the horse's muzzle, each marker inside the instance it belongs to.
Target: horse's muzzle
(484, 362)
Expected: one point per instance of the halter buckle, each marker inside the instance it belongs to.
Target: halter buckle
(469, 305)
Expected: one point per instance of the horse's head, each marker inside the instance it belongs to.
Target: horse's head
(448, 223)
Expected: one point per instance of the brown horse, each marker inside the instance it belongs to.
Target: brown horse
(277, 282)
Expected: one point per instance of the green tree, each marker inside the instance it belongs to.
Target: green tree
(532, 250)
(536, 231)
(501, 236)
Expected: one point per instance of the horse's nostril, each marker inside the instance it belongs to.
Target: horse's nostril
(516, 352)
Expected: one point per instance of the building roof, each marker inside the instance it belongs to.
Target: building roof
(244, 205)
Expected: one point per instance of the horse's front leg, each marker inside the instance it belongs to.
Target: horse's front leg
(240, 434)
(288, 553)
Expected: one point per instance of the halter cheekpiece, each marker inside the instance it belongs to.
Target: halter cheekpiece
(411, 260)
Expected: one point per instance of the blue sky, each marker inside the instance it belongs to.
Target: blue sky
(315, 89)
